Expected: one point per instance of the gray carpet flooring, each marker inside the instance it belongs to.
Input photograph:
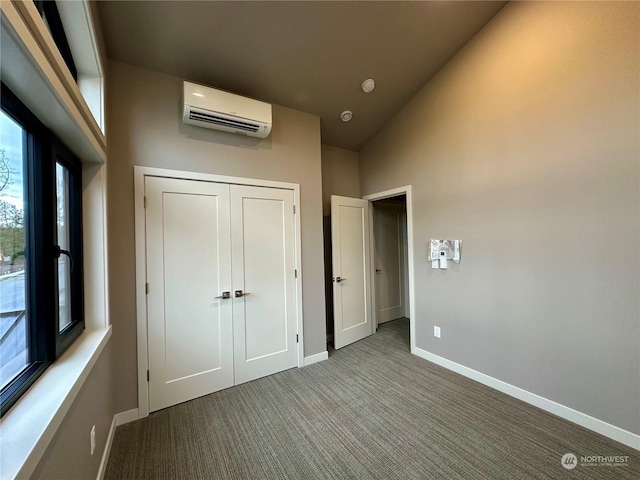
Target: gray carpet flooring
(372, 411)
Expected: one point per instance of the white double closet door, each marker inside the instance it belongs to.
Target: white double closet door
(221, 301)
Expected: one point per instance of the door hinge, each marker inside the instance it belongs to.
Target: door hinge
(146, 288)
(297, 338)
(294, 209)
(148, 375)
(145, 202)
(296, 272)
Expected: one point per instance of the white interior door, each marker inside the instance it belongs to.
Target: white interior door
(264, 309)
(188, 265)
(389, 258)
(351, 267)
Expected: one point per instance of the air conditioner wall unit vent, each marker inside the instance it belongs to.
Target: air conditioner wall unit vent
(211, 108)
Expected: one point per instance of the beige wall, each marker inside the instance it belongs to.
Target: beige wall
(526, 147)
(145, 128)
(69, 455)
(340, 175)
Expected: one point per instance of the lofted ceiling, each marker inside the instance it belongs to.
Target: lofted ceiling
(307, 55)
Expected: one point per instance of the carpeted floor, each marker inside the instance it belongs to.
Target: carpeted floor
(372, 411)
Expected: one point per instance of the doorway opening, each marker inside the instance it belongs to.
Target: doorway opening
(352, 274)
(390, 256)
(401, 196)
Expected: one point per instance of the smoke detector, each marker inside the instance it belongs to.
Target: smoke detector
(368, 85)
(346, 116)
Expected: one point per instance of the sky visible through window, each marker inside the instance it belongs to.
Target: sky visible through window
(11, 143)
(13, 312)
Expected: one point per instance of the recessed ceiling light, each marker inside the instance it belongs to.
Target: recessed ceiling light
(368, 85)
(346, 115)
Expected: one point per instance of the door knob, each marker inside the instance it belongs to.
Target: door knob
(340, 279)
(225, 295)
(378, 270)
(240, 293)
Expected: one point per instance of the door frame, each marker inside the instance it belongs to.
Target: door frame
(404, 190)
(141, 263)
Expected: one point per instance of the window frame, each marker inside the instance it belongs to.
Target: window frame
(44, 341)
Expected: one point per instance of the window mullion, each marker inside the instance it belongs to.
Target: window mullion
(43, 279)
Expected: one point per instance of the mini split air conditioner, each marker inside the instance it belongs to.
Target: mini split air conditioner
(210, 108)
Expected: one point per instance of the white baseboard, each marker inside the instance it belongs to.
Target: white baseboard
(107, 450)
(611, 431)
(118, 419)
(126, 417)
(318, 357)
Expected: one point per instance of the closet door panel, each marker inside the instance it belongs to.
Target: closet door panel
(264, 313)
(188, 266)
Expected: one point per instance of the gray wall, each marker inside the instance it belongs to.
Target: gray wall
(69, 456)
(526, 147)
(340, 176)
(145, 127)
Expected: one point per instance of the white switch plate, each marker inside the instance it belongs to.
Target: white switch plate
(436, 331)
(93, 439)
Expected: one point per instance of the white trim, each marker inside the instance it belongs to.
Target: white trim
(141, 300)
(209, 177)
(94, 235)
(318, 357)
(298, 245)
(78, 23)
(372, 270)
(405, 190)
(107, 450)
(30, 425)
(126, 417)
(140, 235)
(118, 419)
(611, 431)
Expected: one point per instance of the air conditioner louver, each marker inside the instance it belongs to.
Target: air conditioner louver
(214, 119)
(210, 108)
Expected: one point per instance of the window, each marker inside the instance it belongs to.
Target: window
(49, 12)
(13, 309)
(41, 298)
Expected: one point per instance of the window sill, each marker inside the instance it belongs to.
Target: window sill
(29, 426)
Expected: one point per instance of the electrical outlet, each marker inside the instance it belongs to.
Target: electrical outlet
(92, 436)
(436, 331)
